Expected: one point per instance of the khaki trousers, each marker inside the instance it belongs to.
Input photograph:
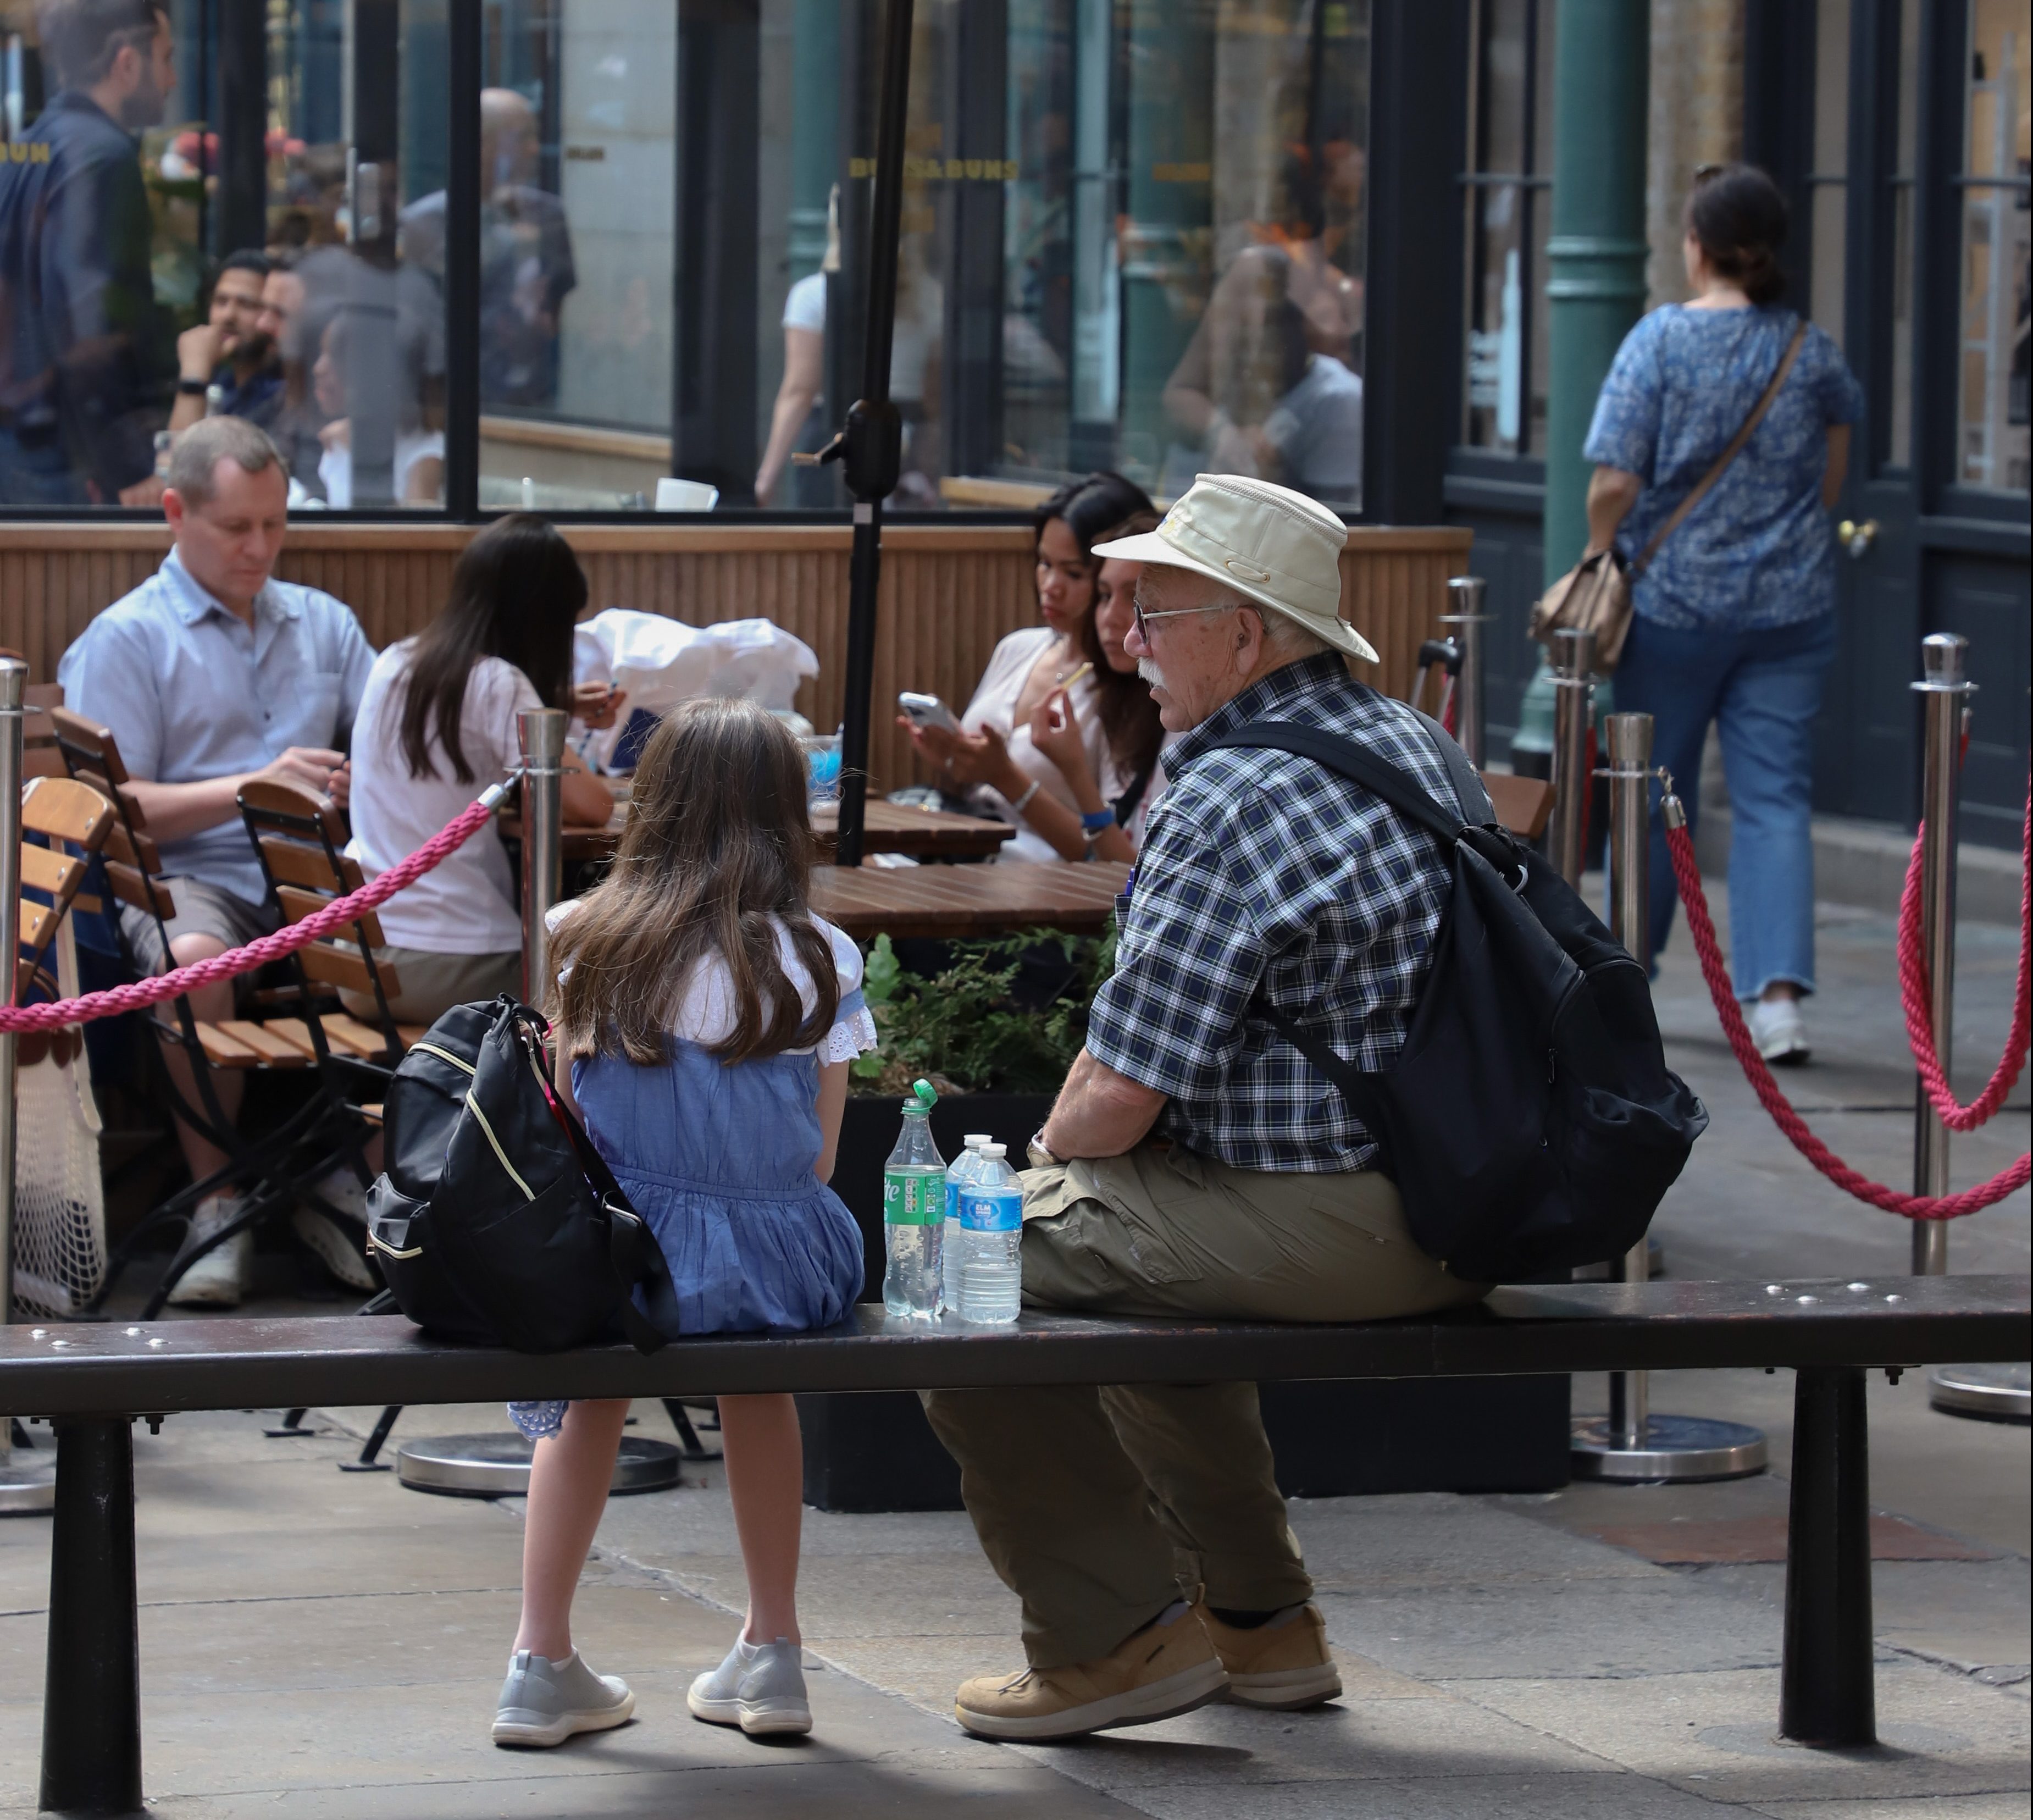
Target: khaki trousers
(1099, 1507)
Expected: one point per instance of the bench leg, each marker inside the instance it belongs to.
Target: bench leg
(92, 1688)
(1826, 1696)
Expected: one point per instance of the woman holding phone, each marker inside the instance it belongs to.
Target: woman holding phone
(1053, 683)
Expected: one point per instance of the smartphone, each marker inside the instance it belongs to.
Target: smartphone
(926, 711)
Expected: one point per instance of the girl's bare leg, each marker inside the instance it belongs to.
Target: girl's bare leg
(765, 1476)
(569, 1475)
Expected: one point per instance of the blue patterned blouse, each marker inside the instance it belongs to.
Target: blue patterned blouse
(1757, 552)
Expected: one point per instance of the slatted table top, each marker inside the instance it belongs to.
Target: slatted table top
(960, 901)
(887, 828)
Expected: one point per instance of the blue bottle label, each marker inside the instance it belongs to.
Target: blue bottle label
(992, 1210)
(952, 1199)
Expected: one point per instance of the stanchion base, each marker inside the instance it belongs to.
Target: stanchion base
(27, 1488)
(1992, 1393)
(1677, 1447)
(498, 1465)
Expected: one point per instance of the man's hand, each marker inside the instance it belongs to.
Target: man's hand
(316, 768)
(597, 705)
(143, 493)
(200, 350)
(1100, 1113)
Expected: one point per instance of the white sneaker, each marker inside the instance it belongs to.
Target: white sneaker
(328, 1240)
(218, 1279)
(760, 1687)
(1779, 1030)
(543, 1702)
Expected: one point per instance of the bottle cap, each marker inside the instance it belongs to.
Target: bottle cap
(992, 1151)
(926, 1097)
(974, 1140)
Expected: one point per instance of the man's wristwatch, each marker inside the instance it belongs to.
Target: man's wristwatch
(193, 387)
(1041, 1155)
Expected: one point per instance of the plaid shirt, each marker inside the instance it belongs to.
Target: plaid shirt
(1266, 877)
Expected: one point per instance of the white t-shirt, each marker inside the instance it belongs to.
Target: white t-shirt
(994, 705)
(467, 904)
(804, 307)
(336, 466)
(706, 1013)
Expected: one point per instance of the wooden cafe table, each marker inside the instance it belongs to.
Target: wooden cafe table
(953, 901)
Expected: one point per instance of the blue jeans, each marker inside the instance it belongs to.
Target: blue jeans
(37, 472)
(1762, 689)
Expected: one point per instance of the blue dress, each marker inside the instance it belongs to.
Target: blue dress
(719, 1159)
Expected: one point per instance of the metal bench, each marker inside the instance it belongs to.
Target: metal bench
(93, 1382)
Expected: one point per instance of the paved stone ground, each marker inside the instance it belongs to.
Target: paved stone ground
(328, 1646)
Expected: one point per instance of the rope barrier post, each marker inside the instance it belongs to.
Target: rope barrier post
(541, 731)
(1631, 1445)
(1945, 689)
(1465, 613)
(26, 1488)
(1574, 693)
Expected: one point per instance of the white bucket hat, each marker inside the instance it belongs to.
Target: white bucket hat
(1278, 548)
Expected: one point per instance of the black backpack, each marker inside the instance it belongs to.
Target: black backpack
(496, 1219)
(1530, 1122)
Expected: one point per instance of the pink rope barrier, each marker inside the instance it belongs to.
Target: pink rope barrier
(139, 995)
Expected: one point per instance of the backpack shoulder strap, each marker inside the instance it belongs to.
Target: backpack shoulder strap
(1403, 792)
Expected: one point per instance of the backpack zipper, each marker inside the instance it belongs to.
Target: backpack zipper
(473, 1107)
(443, 1055)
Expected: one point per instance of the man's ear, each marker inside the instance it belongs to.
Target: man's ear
(173, 509)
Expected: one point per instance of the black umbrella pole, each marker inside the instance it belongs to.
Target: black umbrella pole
(864, 569)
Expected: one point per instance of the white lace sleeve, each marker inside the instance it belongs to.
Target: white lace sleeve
(854, 1035)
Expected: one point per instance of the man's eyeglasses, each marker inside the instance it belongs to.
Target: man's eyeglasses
(1143, 619)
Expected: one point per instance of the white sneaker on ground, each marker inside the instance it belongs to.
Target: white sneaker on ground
(543, 1702)
(328, 1240)
(1779, 1030)
(760, 1687)
(218, 1279)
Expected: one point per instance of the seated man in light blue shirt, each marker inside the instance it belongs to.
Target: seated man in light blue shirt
(212, 672)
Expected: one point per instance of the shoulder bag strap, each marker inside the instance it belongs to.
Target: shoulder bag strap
(1379, 776)
(1729, 454)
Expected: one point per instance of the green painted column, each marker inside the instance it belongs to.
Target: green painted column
(815, 154)
(1597, 249)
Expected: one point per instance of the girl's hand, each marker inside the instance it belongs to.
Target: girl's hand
(1055, 731)
(597, 705)
(963, 759)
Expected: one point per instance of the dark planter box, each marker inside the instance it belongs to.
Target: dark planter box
(876, 1451)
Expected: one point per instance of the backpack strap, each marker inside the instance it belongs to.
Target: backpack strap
(1397, 787)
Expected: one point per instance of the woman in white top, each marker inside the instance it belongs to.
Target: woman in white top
(437, 726)
(1053, 680)
(418, 467)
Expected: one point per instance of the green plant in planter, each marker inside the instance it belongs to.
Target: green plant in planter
(964, 1029)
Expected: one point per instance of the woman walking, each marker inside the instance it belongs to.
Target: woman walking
(1734, 615)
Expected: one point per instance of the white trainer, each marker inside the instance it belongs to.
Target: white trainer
(328, 1240)
(760, 1687)
(543, 1702)
(1779, 1030)
(218, 1280)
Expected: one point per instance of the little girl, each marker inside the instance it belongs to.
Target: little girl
(708, 1018)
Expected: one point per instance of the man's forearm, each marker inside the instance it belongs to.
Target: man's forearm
(177, 811)
(1100, 1113)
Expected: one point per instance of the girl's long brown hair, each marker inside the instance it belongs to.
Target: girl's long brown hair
(717, 843)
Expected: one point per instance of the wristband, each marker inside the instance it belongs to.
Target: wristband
(1098, 822)
(1017, 807)
(193, 387)
(1042, 1158)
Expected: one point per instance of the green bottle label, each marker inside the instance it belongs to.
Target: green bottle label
(914, 1197)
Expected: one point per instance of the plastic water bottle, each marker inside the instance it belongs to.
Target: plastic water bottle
(991, 1219)
(914, 1205)
(960, 1172)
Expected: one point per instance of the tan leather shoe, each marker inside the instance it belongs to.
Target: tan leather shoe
(1165, 1669)
(1284, 1664)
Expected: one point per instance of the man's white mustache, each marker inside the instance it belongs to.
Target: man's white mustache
(1147, 669)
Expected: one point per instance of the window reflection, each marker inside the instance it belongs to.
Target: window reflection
(1992, 414)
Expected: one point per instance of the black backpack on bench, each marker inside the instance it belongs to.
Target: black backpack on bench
(496, 1220)
(1530, 1122)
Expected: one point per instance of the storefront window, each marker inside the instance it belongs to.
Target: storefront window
(235, 247)
(1992, 418)
(1510, 184)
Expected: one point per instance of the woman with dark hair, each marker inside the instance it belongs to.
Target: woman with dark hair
(437, 726)
(1051, 680)
(1734, 615)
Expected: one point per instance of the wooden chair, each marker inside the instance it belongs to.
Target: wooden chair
(270, 1173)
(64, 824)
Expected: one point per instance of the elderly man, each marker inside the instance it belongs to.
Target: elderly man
(212, 672)
(1195, 1164)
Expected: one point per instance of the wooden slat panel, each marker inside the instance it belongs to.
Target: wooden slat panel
(350, 1037)
(297, 904)
(223, 1050)
(65, 809)
(44, 869)
(271, 1049)
(141, 850)
(295, 863)
(336, 966)
(130, 887)
(39, 923)
(294, 1031)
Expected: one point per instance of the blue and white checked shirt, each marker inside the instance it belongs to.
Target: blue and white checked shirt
(192, 691)
(1267, 878)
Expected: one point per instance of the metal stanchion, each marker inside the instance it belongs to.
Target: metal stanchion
(497, 1465)
(26, 1487)
(1997, 1392)
(1573, 692)
(1464, 614)
(1631, 1444)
